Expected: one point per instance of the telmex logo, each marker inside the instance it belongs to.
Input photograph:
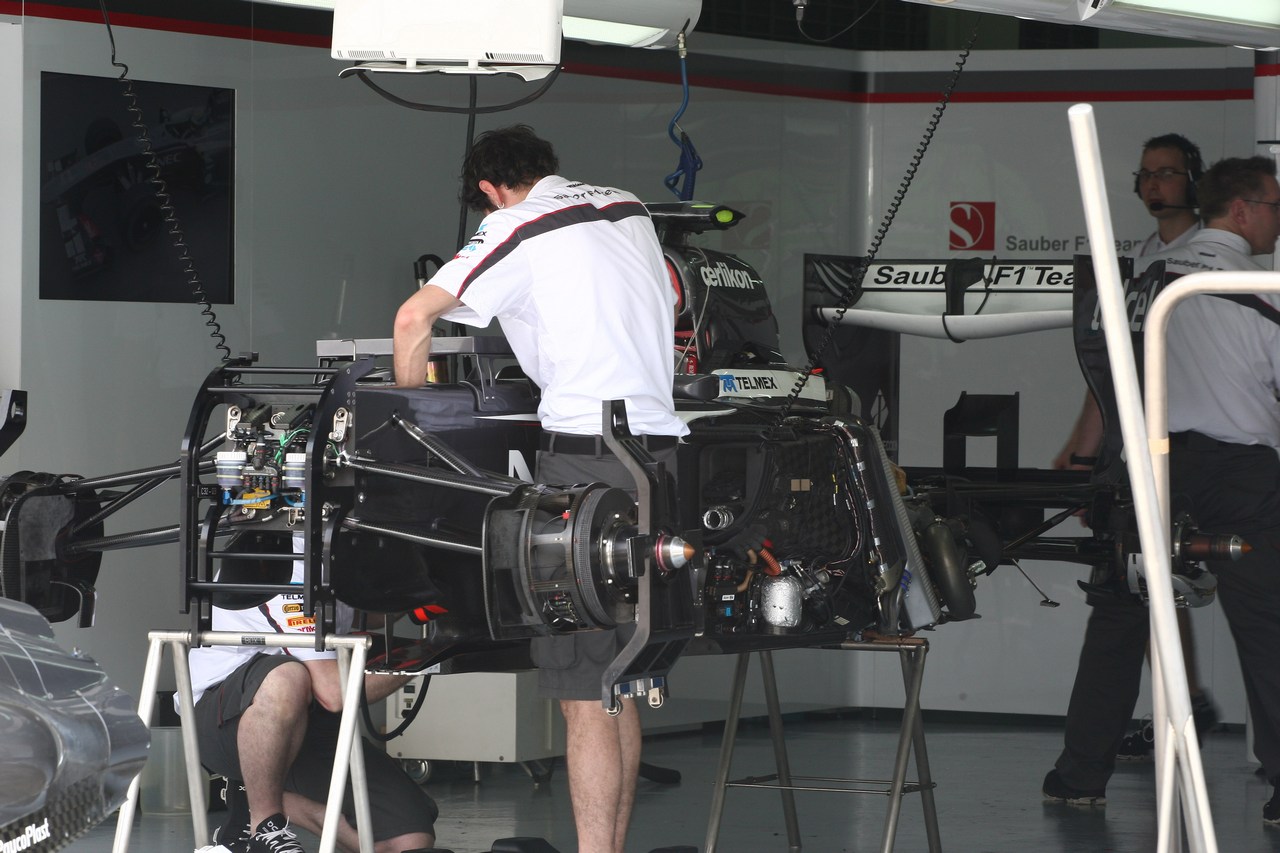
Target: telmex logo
(973, 226)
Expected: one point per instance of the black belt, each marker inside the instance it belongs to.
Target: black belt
(1201, 442)
(593, 445)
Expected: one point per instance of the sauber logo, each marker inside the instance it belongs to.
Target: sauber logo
(973, 226)
(33, 834)
(723, 275)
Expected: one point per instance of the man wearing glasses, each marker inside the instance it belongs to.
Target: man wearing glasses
(1224, 423)
(1166, 183)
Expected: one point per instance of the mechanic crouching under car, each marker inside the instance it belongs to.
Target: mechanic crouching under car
(267, 719)
(576, 277)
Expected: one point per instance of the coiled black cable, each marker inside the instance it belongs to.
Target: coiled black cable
(163, 197)
(851, 293)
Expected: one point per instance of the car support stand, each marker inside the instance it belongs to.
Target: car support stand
(352, 653)
(911, 651)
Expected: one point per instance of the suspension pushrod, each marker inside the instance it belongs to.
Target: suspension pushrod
(271, 556)
(139, 539)
(299, 371)
(455, 461)
(119, 503)
(164, 472)
(396, 533)
(273, 390)
(1047, 524)
(435, 478)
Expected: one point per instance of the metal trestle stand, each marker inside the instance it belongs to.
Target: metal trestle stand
(352, 653)
(911, 652)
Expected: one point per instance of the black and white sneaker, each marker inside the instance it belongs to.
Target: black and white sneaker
(1139, 745)
(273, 836)
(234, 832)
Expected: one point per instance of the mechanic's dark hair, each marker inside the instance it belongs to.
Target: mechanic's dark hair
(1191, 160)
(1230, 179)
(507, 157)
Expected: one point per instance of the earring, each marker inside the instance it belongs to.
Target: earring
(501, 205)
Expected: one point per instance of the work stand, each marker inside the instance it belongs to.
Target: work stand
(911, 652)
(352, 651)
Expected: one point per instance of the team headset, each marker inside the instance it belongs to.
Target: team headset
(1190, 156)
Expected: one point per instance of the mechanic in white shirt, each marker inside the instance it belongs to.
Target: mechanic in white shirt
(1224, 426)
(576, 276)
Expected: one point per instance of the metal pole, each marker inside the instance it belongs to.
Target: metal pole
(150, 674)
(359, 779)
(726, 751)
(913, 679)
(352, 691)
(780, 751)
(197, 783)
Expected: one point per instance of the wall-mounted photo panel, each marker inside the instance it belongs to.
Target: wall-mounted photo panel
(108, 230)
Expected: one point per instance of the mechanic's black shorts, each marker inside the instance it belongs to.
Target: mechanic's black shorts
(571, 666)
(398, 805)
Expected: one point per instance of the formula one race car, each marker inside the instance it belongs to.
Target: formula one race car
(788, 527)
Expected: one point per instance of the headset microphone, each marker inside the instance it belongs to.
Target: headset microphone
(1157, 206)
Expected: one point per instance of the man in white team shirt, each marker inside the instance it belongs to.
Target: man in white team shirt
(1224, 425)
(268, 717)
(576, 276)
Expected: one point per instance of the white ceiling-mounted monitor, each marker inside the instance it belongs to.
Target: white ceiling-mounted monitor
(519, 37)
(1244, 23)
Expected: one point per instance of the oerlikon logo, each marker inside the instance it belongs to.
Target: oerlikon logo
(973, 226)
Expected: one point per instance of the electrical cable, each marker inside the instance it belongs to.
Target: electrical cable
(987, 284)
(162, 196)
(698, 321)
(437, 108)
(471, 135)
(409, 716)
(814, 39)
(851, 293)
